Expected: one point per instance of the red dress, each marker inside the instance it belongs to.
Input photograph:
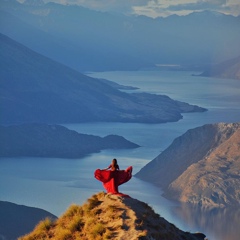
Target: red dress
(112, 179)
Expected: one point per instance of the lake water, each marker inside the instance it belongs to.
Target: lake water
(54, 184)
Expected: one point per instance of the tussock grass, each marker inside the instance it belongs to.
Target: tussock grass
(91, 204)
(112, 209)
(107, 234)
(63, 234)
(98, 230)
(45, 225)
(142, 235)
(89, 223)
(73, 210)
(77, 224)
(41, 231)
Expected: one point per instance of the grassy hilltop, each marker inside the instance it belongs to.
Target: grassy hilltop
(106, 216)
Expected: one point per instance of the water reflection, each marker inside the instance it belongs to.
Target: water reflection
(217, 224)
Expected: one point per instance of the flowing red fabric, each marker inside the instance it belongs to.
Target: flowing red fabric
(112, 179)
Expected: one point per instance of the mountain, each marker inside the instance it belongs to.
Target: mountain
(89, 40)
(202, 166)
(75, 36)
(35, 88)
(42, 140)
(17, 220)
(228, 69)
(106, 216)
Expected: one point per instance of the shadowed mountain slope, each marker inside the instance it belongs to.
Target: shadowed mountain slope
(106, 216)
(42, 140)
(17, 220)
(37, 89)
(202, 166)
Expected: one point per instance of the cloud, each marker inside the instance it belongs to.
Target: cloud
(199, 5)
(156, 8)
(183, 7)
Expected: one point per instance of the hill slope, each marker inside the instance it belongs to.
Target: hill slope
(42, 140)
(228, 69)
(17, 220)
(109, 217)
(202, 166)
(36, 89)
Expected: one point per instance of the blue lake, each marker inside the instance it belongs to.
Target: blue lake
(54, 184)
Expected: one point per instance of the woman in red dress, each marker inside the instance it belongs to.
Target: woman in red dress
(114, 177)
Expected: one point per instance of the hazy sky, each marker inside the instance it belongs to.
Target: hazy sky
(155, 8)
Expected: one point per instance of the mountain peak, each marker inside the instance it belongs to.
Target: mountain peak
(106, 216)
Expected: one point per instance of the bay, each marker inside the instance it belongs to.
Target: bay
(54, 184)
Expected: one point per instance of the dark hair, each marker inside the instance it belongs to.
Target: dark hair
(114, 161)
(114, 164)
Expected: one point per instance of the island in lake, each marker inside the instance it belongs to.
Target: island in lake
(43, 140)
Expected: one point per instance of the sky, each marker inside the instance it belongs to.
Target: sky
(158, 8)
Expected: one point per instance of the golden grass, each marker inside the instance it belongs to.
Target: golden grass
(73, 210)
(62, 234)
(98, 230)
(45, 225)
(41, 231)
(77, 224)
(103, 217)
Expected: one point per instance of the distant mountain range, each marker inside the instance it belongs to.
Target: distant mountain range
(201, 167)
(229, 69)
(17, 220)
(106, 216)
(35, 88)
(42, 140)
(88, 40)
